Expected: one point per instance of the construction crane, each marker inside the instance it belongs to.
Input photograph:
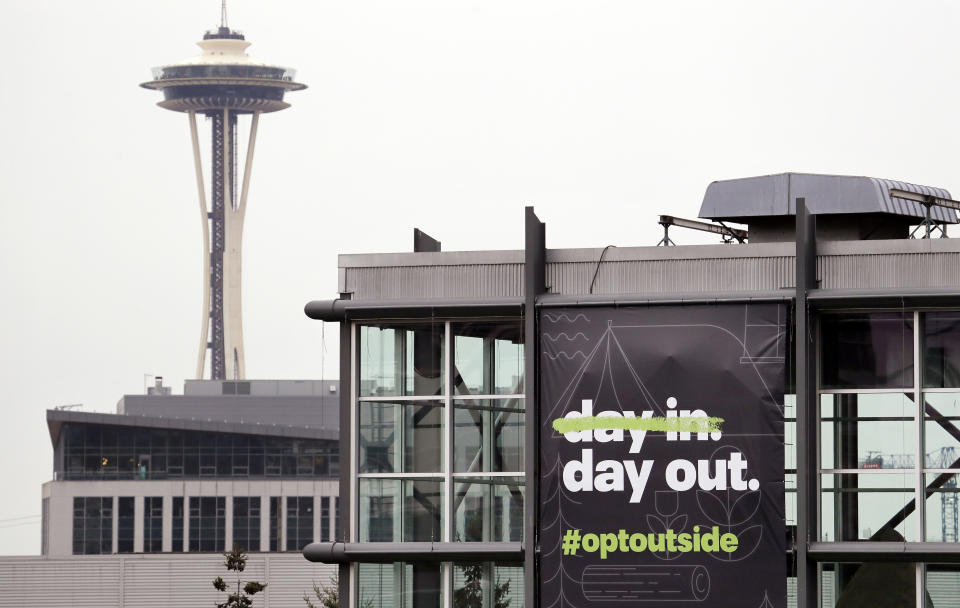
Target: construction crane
(943, 458)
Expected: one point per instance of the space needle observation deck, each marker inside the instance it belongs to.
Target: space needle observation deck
(222, 83)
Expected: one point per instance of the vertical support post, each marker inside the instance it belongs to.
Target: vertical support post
(807, 523)
(534, 284)
(205, 222)
(920, 461)
(346, 448)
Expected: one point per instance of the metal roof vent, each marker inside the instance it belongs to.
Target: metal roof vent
(848, 207)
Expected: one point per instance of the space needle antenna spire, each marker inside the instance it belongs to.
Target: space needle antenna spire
(224, 84)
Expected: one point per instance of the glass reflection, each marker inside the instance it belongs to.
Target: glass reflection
(867, 431)
(867, 350)
(488, 510)
(395, 510)
(404, 437)
(868, 506)
(488, 435)
(941, 349)
(487, 584)
(399, 585)
(488, 358)
(401, 360)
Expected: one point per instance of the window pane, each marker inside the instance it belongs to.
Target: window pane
(299, 522)
(488, 510)
(488, 358)
(400, 585)
(416, 426)
(942, 502)
(178, 519)
(246, 522)
(152, 524)
(393, 510)
(488, 435)
(401, 360)
(941, 349)
(487, 584)
(869, 584)
(941, 429)
(943, 581)
(867, 431)
(873, 350)
(125, 524)
(92, 525)
(868, 507)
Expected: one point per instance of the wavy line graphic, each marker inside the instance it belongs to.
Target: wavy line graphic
(566, 336)
(563, 316)
(565, 355)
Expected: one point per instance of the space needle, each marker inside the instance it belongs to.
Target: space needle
(222, 83)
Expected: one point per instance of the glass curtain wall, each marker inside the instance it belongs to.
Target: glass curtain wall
(889, 391)
(439, 415)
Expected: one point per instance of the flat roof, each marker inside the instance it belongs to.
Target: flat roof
(57, 418)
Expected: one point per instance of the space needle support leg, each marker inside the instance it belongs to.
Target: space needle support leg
(251, 144)
(205, 222)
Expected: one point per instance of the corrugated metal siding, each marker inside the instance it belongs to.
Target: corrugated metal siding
(454, 281)
(166, 581)
(889, 270)
(671, 276)
(944, 588)
(901, 206)
(53, 583)
(655, 270)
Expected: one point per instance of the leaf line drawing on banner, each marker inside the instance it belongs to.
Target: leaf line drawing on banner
(555, 318)
(667, 503)
(734, 510)
(766, 603)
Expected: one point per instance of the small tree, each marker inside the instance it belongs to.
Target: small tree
(470, 595)
(328, 596)
(236, 561)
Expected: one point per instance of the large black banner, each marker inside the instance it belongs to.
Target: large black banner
(661, 456)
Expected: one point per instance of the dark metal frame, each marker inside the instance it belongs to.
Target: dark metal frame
(534, 284)
(806, 279)
(223, 168)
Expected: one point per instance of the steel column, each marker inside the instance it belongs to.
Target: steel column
(807, 522)
(534, 284)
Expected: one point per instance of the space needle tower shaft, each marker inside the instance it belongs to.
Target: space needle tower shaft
(223, 83)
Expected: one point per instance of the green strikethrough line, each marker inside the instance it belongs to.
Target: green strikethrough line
(685, 424)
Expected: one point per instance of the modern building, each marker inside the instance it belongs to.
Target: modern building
(143, 502)
(251, 463)
(223, 83)
(465, 375)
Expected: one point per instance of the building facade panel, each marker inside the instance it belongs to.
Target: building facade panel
(148, 581)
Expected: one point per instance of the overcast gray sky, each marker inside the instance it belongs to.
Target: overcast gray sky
(449, 116)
